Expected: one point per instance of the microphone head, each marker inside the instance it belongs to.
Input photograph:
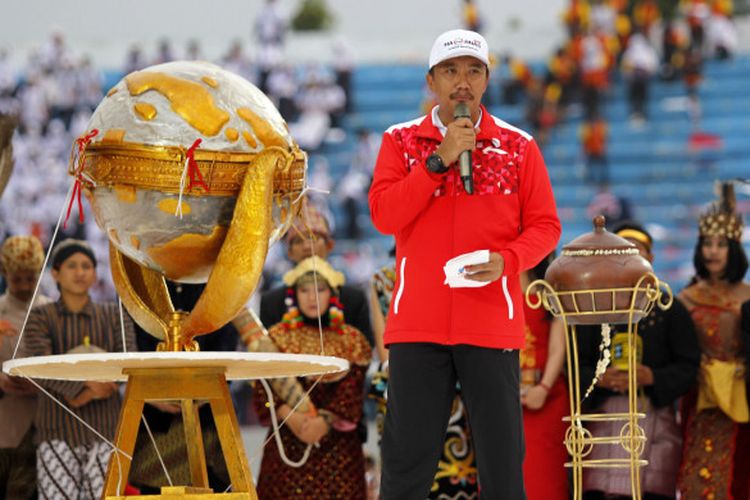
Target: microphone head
(461, 111)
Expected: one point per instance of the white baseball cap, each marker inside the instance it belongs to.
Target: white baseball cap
(456, 43)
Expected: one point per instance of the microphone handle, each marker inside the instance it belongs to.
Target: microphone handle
(464, 164)
(468, 184)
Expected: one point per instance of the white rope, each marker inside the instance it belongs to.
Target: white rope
(119, 471)
(257, 454)
(277, 436)
(183, 177)
(311, 244)
(309, 188)
(274, 421)
(19, 372)
(44, 266)
(158, 454)
(115, 449)
(257, 320)
(122, 326)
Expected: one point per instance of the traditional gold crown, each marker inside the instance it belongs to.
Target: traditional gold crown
(316, 265)
(721, 219)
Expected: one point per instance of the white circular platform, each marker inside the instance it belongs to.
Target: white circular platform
(109, 366)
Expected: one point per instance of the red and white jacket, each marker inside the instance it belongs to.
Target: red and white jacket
(512, 212)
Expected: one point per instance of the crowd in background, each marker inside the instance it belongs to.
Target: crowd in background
(613, 39)
(607, 39)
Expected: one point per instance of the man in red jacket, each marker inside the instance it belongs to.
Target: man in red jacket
(438, 334)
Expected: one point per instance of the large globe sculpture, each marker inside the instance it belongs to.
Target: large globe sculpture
(192, 173)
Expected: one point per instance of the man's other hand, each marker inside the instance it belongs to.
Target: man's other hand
(489, 271)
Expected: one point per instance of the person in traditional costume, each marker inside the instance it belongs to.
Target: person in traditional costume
(315, 324)
(716, 456)
(456, 474)
(544, 398)
(310, 235)
(21, 260)
(667, 365)
(72, 460)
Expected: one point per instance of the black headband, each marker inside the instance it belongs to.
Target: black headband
(68, 247)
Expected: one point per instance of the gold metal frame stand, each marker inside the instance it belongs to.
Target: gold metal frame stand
(578, 439)
(189, 386)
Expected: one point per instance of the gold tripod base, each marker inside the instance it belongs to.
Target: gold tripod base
(188, 385)
(188, 493)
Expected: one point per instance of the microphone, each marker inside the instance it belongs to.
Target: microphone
(464, 159)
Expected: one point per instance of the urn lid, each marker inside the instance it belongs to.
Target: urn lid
(599, 242)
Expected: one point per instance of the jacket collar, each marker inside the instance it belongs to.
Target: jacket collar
(428, 129)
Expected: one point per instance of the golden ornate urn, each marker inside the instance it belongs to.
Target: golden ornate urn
(192, 173)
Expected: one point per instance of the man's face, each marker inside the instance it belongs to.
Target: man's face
(299, 246)
(21, 284)
(76, 275)
(460, 79)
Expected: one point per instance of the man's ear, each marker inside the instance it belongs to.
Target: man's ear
(55, 273)
(430, 81)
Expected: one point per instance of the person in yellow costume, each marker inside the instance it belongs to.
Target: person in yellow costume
(716, 457)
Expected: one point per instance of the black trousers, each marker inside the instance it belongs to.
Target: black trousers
(421, 387)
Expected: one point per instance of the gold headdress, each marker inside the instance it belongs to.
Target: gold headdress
(21, 253)
(721, 219)
(317, 265)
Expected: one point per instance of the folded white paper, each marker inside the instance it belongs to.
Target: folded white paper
(455, 269)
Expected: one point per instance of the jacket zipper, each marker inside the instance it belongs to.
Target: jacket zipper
(453, 252)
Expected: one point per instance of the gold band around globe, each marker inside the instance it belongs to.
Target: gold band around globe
(160, 168)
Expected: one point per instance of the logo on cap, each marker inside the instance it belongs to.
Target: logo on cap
(456, 43)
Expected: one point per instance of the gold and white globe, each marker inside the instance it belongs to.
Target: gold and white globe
(137, 169)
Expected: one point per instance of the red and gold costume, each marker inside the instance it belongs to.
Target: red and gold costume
(336, 468)
(716, 458)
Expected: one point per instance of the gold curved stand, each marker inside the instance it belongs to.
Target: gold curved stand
(578, 440)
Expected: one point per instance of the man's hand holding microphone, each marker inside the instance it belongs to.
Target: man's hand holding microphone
(459, 142)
